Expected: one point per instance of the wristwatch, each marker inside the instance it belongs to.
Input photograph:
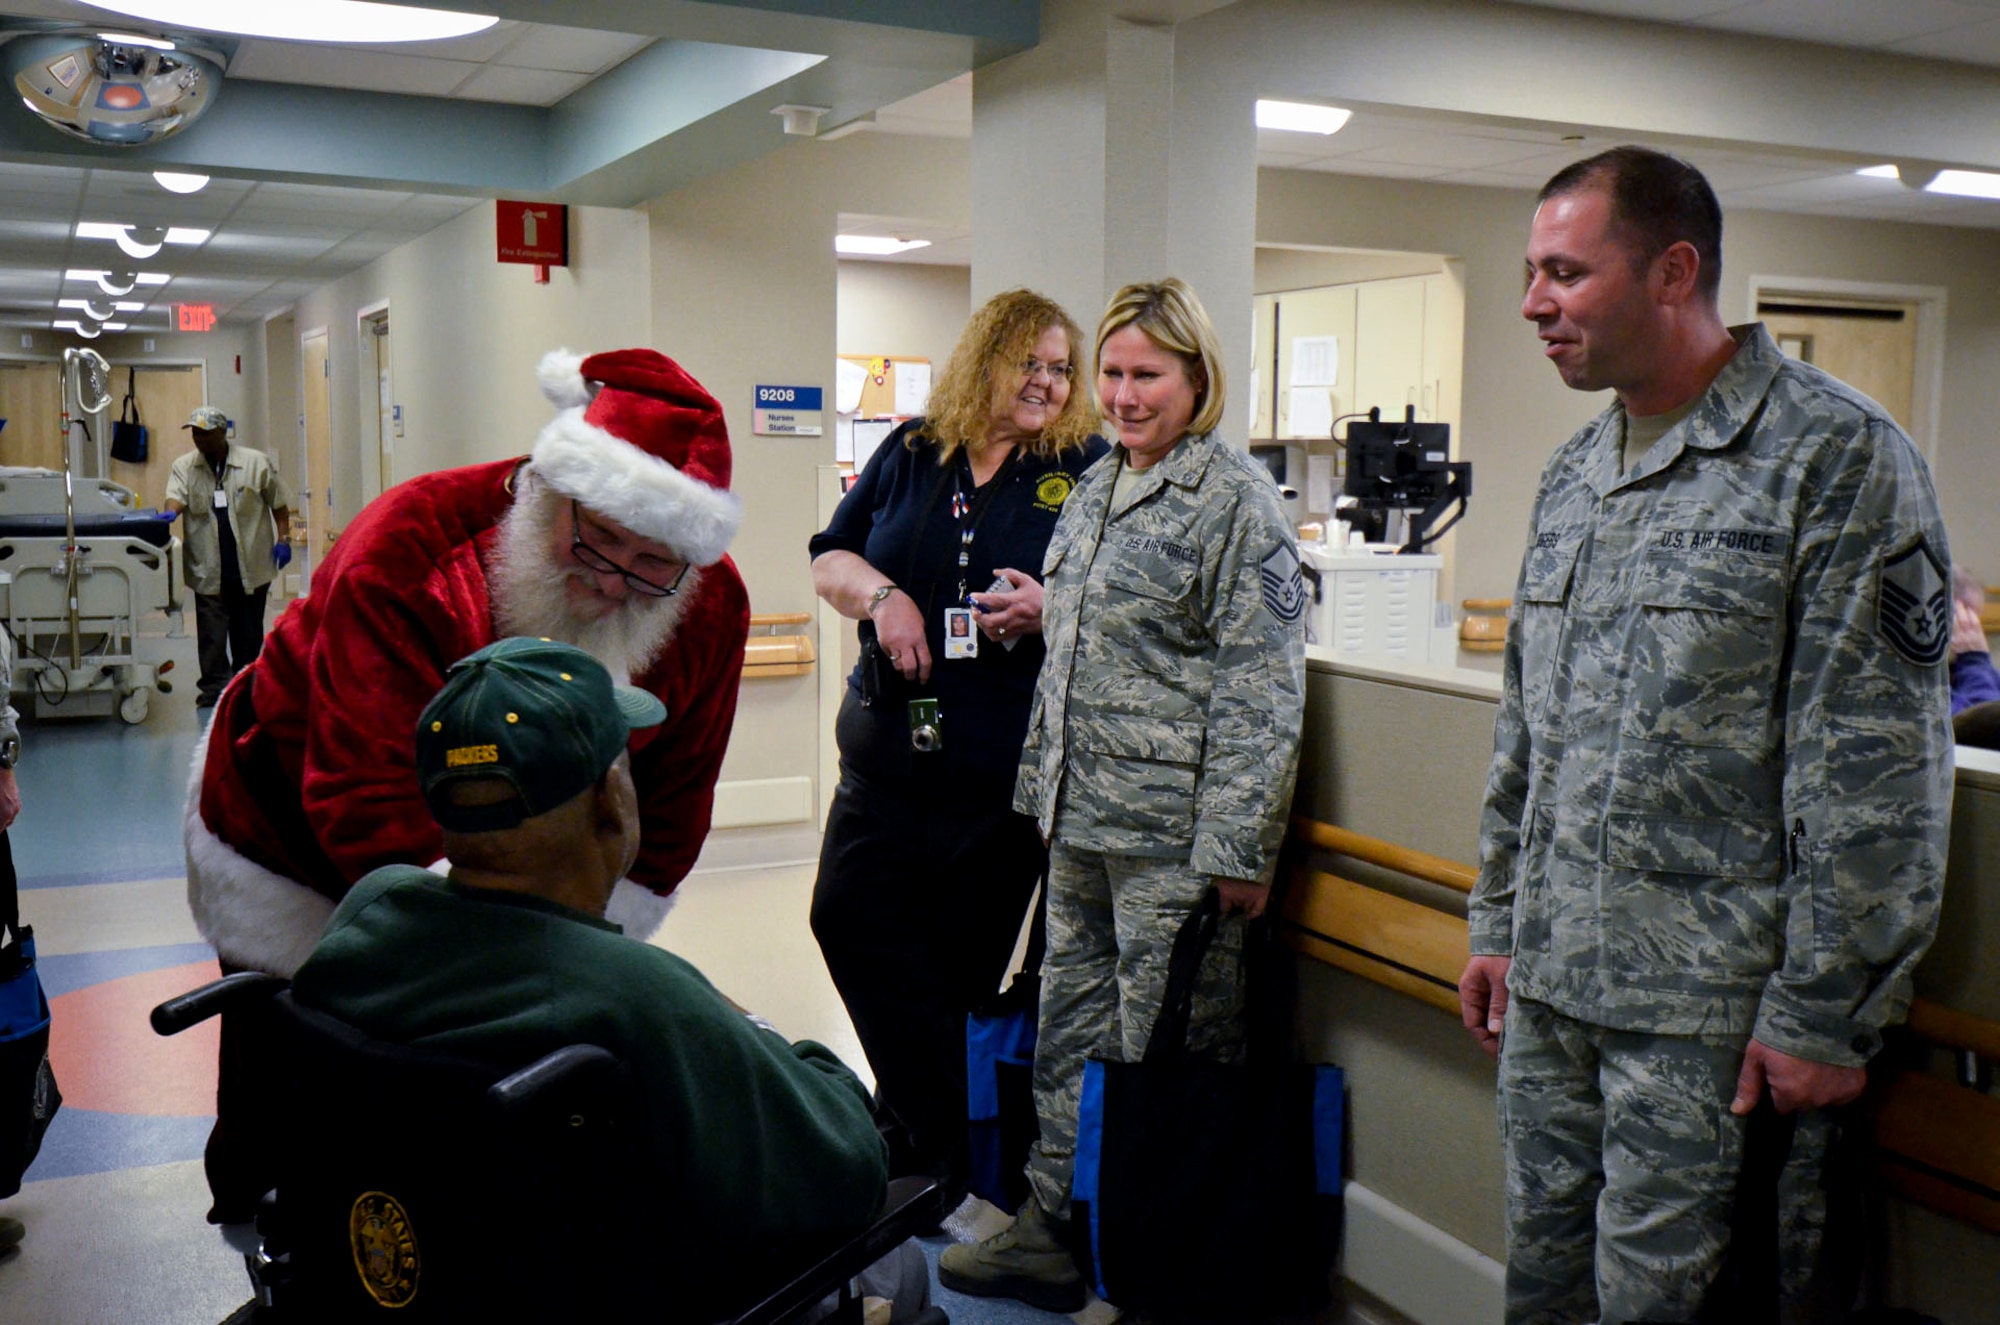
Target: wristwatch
(876, 599)
(10, 751)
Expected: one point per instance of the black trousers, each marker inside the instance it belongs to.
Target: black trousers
(229, 631)
(922, 890)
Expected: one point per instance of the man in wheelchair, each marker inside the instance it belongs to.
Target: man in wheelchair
(765, 1145)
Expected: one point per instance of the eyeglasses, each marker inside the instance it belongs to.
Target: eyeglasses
(1056, 371)
(604, 565)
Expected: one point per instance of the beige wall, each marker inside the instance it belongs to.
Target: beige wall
(1517, 411)
(467, 333)
(744, 293)
(902, 309)
(1279, 269)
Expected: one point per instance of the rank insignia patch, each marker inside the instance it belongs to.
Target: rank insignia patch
(1913, 605)
(1284, 585)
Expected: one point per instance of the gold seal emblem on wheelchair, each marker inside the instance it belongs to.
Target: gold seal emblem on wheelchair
(385, 1248)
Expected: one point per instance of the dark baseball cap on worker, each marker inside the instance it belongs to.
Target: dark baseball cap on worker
(542, 716)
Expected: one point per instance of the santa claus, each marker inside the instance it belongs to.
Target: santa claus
(610, 535)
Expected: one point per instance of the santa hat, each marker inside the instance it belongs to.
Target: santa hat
(646, 449)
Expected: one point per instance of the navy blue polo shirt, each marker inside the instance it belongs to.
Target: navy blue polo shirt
(898, 517)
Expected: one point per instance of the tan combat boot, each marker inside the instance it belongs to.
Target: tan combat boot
(1027, 1261)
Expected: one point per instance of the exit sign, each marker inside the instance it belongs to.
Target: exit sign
(194, 317)
(532, 232)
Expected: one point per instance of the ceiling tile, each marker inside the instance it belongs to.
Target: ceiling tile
(334, 66)
(1347, 165)
(1450, 152)
(476, 47)
(520, 87)
(1664, 11)
(570, 50)
(1977, 43)
(1848, 22)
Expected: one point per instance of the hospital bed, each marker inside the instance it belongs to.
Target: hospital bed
(93, 661)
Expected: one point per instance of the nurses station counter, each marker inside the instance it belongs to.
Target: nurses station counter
(1399, 751)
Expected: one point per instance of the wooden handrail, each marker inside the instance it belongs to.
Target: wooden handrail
(1954, 1029)
(1373, 850)
(760, 620)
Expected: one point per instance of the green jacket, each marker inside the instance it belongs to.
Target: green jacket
(1167, 718)
(1720, 794)
(769, 1146)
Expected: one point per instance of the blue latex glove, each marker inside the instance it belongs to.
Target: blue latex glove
(282, 554)
(167, 516)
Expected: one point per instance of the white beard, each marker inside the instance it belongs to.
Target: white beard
(529, 595)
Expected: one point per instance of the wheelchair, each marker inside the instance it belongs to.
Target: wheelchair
(427, 1187)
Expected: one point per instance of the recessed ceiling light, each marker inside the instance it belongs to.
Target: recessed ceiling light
(174, 181)
(88, 332)
(1300, 117)
(306, 20)
(875, 246)
(1965, 184)
(1880, 172)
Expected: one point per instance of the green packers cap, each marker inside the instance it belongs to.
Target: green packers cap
(543, 716)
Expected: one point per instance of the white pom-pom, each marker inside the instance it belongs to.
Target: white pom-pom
(562, 379)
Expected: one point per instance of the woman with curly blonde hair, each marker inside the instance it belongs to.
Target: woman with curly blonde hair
(925, 870)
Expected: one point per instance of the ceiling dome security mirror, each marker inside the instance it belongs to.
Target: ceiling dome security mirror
(111, 89)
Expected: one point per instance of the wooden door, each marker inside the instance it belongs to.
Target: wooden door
(31, 403)
(316, 506)
(165, 396)
(1870, 346)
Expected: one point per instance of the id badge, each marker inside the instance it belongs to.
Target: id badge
(960, 639)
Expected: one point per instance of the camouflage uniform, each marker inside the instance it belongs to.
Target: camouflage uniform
(1718, 807)
(1161, 751)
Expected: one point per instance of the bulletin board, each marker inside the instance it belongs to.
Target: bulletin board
(884, 374)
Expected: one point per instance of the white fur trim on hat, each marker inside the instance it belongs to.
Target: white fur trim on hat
(637, 491)
(638, 910)
(250, 915)
(561, 376)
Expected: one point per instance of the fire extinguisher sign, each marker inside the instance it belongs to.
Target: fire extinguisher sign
(536, 233)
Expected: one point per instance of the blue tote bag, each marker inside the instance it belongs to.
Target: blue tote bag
(1211, 1189)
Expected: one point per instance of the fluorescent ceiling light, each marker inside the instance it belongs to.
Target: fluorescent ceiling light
(306, 20)
(174, 181)
(87, 332)
(1880, 172)
(140, 241)
(134, 39)
(1965, 184)
(116, 282)
(875, 246)
(1299, 117)
(118, 306)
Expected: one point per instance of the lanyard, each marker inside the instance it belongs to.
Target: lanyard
(967, 507)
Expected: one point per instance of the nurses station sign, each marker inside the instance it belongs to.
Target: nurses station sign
(787, 411)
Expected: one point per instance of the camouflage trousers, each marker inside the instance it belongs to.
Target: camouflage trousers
(1622, 1161)
(1111, 925)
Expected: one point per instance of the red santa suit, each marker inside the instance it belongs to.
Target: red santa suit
(307, 779)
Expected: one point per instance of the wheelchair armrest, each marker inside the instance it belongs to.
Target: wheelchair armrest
(572, 1064)
(198, 1005)
(914, 1205)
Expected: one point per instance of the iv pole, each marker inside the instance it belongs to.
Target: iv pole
(81, 370)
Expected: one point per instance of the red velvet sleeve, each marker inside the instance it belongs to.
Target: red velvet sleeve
(698, 677)
(384, 640)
